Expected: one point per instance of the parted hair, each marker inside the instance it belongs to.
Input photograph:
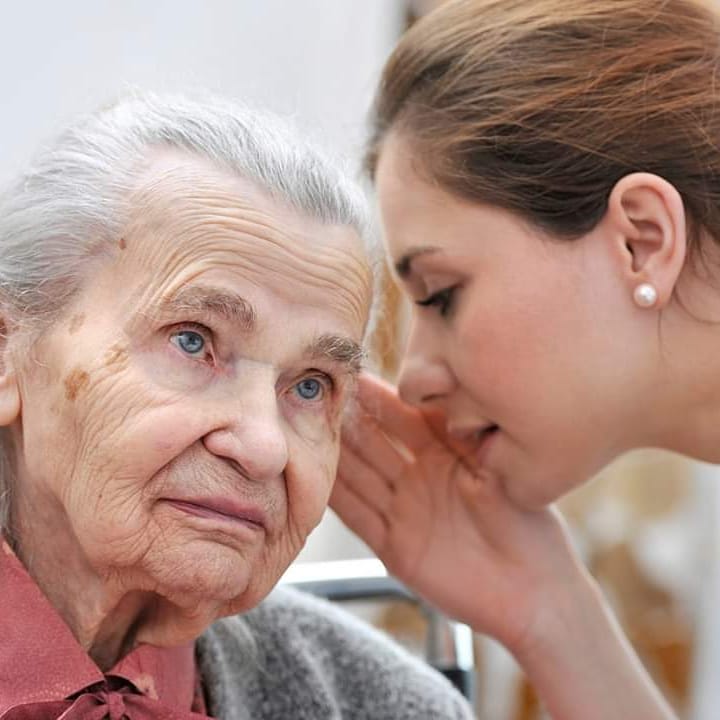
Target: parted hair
(541, 106)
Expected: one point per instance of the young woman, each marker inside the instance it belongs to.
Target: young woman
(548, 174)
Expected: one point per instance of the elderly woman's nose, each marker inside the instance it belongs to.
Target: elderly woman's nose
(425, 378)
(254, 437)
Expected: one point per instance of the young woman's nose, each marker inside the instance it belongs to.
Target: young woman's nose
(425, 379)
(254, 433)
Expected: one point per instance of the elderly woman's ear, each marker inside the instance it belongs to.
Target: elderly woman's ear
(9, 391)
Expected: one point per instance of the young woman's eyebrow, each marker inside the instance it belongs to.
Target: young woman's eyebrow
(207, 300)
(337, 349)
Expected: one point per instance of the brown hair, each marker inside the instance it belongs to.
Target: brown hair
(541, 106)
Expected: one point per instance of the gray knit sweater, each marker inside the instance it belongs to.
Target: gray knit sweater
(295, 657)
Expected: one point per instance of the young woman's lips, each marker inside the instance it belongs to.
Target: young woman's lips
(223, 510)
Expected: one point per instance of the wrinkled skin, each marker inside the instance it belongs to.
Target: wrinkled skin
(156, 387)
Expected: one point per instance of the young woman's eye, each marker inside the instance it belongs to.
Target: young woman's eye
(310, 389)
(190, 342)
(442, 300)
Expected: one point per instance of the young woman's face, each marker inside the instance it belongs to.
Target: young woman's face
(528, 345)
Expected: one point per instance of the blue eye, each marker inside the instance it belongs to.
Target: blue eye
(189, 341)
(310, 389)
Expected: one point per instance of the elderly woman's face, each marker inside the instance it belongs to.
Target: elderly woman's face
(181, 422)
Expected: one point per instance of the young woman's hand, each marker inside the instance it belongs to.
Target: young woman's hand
(450, 533)
(445, 530)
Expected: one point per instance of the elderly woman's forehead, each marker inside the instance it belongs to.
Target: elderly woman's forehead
(178, 190)
(188, 215)
(172, 176)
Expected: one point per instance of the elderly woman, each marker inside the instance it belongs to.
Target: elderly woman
(184, 297)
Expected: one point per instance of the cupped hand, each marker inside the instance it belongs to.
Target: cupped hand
(446, 529)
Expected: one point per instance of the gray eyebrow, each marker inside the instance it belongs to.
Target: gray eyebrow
(403, 266)
(338, 349)
(209, 300)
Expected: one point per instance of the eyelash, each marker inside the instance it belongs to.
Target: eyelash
(442, 300)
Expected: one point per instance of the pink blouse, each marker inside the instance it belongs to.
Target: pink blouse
(46, 675)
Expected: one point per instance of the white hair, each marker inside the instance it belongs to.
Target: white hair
(74, 199)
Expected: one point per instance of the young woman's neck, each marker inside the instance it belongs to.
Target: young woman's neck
(683, 412)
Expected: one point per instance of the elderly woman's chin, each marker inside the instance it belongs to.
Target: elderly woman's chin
(205, 573)
(213, 573)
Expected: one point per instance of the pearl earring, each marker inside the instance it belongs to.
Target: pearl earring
(645, 295)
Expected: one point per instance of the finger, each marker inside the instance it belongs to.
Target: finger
(361, 518)
(360, 425)
(374, 447)
(380, 401)
(504, 527)
(366, 482)
(479, 492)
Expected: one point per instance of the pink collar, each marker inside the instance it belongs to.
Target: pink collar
(41, 661)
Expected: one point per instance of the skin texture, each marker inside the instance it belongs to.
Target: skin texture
(114, 421)
(543, 339)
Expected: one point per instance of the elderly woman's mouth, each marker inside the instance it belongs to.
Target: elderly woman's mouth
(221, 509)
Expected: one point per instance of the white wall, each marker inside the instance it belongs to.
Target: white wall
(315, 59)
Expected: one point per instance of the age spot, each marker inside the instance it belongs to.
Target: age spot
(75, 382)
(76, 322)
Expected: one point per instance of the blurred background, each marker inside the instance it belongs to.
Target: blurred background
(646, 527)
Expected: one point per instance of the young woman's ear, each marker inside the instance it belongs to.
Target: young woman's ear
(646, 223)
